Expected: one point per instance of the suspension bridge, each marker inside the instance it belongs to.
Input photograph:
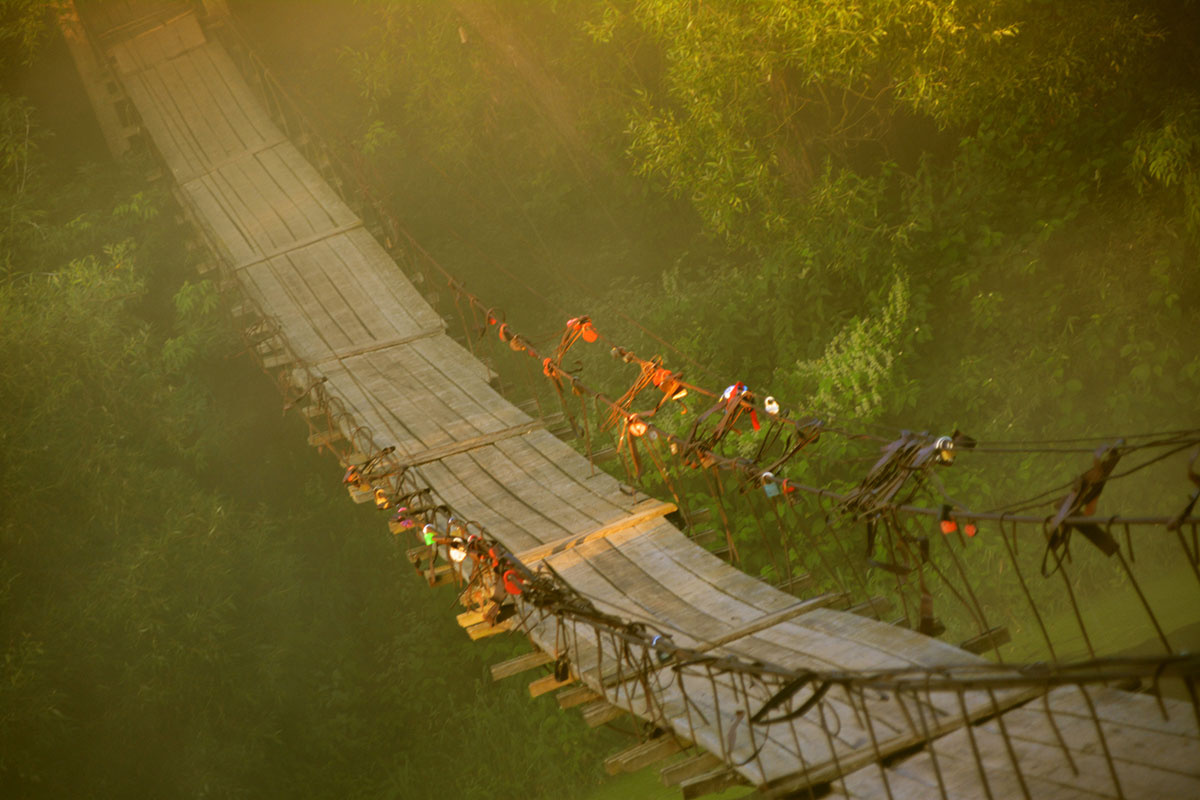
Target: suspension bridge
(803, 690)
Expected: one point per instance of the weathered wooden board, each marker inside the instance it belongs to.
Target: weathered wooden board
(338, 297)
(163, 36)
(1153, 756)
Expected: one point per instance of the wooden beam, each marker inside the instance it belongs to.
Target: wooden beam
(989, 639)
(239, 156)
(299, 244)
(575, 696)
(716, 781)
(483, 630)
(856, 758)
(598, 712)
(469, 618)
(645, 511)
(454, 448)
(680, 771)
(324, 439)
(440, 575)
(611, 678)
(548, 683)
(642, 755)
(415, 555)
(371, 348)
(515, 666)
(771, 620)
(271, 362)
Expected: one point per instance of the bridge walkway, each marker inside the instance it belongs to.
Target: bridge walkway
(355, 325)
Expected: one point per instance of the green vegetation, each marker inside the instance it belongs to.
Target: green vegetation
(189, 606)
(980, 214)
(895, 215)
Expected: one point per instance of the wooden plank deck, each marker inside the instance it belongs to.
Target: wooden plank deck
(1153, 755)
(351, 316)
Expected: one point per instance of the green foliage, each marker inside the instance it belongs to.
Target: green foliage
(855, 372)
(1169, 154)
(22, 30)
(188, 603)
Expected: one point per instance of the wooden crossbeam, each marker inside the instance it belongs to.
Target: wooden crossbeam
(484, 629)
(515, 666)
(645, 511)
(225, 162)
(277, 360)
(440, 574)
(299, 244)
(575, 696)
(469, 618)
(548, 683)
(770, 620)
(642, 755)
(324, 439)
(611, 677)
(717, 780)
(680, 771)
(598, 712)
(789, 785)
(454, 448)
(989, 639)
(416, 555)
(371, 348)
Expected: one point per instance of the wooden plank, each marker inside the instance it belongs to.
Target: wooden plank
(710, 783)
(988, 640)
(250, 123)
(453, 449)
(416, 555)
(642, 755)
(1146, 766)
(771, 620)
(598, 712)
(716, 572)
(468, 618)
(522, 663)
(219, 217)
(240, 92)
(644, 512)
(375, 274)
(484, 630)
(322, 192)
(548, 683)
(680, 771)
(575, 696)
(324, 439)
(361, 350)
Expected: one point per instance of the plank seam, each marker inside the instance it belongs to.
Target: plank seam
(457, 448)
(231, 160)
(300, 244)
(371, 348)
